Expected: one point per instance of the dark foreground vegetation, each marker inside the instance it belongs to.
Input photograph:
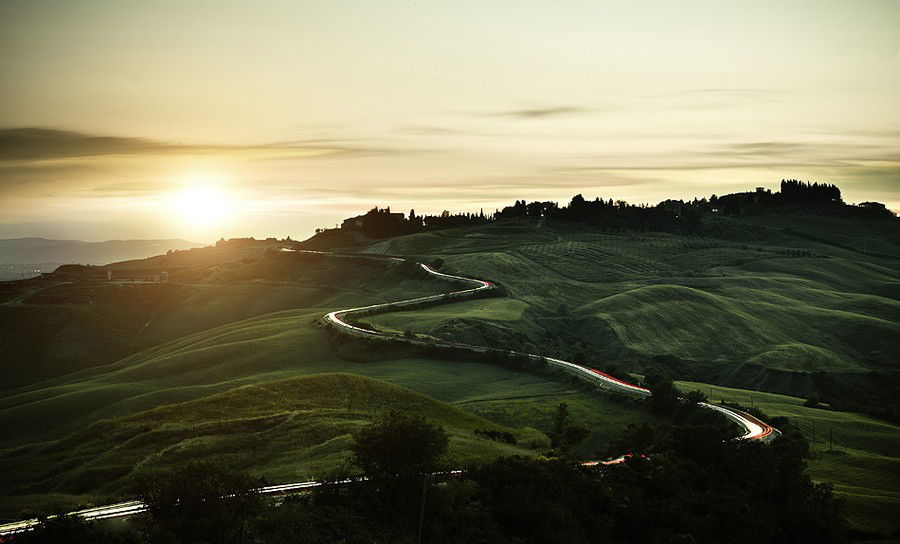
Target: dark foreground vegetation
(688, 482)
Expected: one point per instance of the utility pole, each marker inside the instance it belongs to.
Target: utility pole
(422, 510)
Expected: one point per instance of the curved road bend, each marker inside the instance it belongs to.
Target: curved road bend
(754, 429)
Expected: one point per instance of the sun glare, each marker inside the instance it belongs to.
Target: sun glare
(201, 206)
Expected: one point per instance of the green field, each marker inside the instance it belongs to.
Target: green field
(748, 306)
(860, 455)
(254, 350)
(768, 313)
(295, 429)
(52, 416)
(64, 328)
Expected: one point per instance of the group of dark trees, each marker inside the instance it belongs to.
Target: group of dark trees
(383, 223)
(793, 190)
(610, 215)
(684, 482)
(677, 216)
(794, 197)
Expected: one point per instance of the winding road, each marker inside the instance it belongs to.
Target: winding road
(754, 429)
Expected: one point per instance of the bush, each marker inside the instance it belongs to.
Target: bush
(399, 445)
(201, 502)
(497, 436)
(66, 529)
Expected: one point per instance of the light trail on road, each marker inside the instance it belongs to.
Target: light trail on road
(754, 429)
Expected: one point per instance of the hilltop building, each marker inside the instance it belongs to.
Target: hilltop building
(375, 216)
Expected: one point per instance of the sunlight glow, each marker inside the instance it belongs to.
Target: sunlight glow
(202, 206)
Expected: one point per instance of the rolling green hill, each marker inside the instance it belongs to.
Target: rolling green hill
(746, 305)
(277, 346)
(751, 306)
(61, 328)
(288, 430)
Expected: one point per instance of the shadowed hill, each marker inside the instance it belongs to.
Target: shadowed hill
(288, 430)
(281, 345)
(60, 328)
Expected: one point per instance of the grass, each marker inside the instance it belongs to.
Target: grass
(39, 418)
(728, 323)
(860, 455)
(776, 303)
(69, 327)
(264, 348)
(446, 321)
(287, 430)
(749, 307)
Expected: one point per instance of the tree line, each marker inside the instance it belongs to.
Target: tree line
(676, 216)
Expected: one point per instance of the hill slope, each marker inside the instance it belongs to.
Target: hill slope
(288, 430)
(62, 327)
(747, 305)
(281, 345)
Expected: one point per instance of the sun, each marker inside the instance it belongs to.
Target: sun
(202, 206)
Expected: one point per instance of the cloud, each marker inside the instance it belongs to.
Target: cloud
(431, 130)
(43, 144)
(718, 98)
(823, 153)
(723, 93)
(732, 91)
(540, 113)
(45, 162)
(749, 155)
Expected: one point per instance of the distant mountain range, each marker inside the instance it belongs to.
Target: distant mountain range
(26, 257)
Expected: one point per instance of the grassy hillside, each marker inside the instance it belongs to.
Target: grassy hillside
(746, 305)
(750, 306)
(61, 328)
(286, 430)
(280, 345)
(40, 418)
(860, 455)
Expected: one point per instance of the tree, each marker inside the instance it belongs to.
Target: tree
(565, 436)
(696, 397)
(399, 445)
(664, 396)
(813, 402)
(202, 502)
(580, 358)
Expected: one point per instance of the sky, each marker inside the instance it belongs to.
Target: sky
(199, 120)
